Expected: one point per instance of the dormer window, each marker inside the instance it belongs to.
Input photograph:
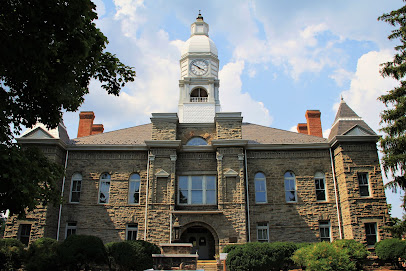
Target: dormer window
(196, 141)
(198, 95)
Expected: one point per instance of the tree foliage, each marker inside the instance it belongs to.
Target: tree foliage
(49, 51)
(394, 117)
(42, 255)
(11, 254)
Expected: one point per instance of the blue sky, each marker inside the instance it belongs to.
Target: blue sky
(277, 59)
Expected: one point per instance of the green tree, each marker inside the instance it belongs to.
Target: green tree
(49, 51)
(394, 117)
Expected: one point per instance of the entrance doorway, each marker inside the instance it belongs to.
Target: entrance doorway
(202, 240)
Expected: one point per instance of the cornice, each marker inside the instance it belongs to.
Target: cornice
(176, 144)
(303, 146)
(347, 138)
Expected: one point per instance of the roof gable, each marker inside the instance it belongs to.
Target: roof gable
(37, 133)
(358, 131)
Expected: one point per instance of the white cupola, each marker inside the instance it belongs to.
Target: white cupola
(199, 64)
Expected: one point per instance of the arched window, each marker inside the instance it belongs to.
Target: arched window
(290, 187)
(104, 188)
(134, 188)
(75, 188)
(320, 184)
(260, 187)
(198, 95)
(196, 141)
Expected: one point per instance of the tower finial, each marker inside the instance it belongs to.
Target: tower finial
(199, 17)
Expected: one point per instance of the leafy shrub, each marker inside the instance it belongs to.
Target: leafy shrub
(228, 248)
(11, 254)
(131, 255)
(260, 256)
(42, 255)
(324, 257)
(81, 252)
(390, 250)
(355, 250)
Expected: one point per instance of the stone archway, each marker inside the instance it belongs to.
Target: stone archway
(203, 237)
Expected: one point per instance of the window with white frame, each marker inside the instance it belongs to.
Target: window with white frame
(320, 183)
(104, 188)
(263, 232)
(370, 231)
(134, 189)
(260, 187)
(195, 190)
(24, 233)
(290, 187)
(75, 187)
(70, 229)
(131, 232)
(363, 184)
(324, 228)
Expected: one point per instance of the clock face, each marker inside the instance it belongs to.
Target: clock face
(199, 67)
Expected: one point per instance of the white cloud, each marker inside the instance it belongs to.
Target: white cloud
(367, 85)
(234, 100)
(340, 76)
(326, 133)
(293, 129)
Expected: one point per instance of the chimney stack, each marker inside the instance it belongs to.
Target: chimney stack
(86, 126)
(313, 125)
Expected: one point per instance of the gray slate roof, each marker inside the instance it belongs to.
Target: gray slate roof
(255, 134)
(345, 120)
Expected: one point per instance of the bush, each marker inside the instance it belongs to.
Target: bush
(131, 255)
(81, 252)
(324, 257)
(260, 256)
(228, 248)
(355, 250)
(11, 254)
(390, 250)
(42, 255)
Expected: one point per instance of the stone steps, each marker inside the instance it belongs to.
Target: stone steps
(207, 265)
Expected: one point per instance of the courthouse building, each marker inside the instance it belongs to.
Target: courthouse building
(206, 177)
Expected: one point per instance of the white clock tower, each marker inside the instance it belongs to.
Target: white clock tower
(199, 84)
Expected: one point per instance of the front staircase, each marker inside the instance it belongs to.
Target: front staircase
(207, 265)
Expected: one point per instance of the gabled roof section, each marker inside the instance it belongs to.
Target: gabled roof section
(257, 134)
(253, 133)
(347, 122)
(130, 136)
(40, 131)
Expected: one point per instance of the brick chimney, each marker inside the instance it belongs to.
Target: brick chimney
(313, 125)
(86, 126)
(302, 128)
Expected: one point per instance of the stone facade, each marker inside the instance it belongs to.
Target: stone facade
(223, 181)
(235, 216)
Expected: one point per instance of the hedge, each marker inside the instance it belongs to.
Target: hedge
(11, 254)
(391, 250)
(42, 255)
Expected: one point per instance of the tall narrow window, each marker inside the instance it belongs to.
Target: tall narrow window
(75, 188)
(260, 188)
(198, 95)
(24, 233)
(324, 227)
(70, 229)
(131, 232)
(134, 189)
(363, 184)
(104, 188)
(263, 232)
(370, 231)
(320, 183)
(290, 187)
(199, 189)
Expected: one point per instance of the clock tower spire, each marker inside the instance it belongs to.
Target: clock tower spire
(199, 84)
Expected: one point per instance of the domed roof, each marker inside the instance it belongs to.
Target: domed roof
(199, 44)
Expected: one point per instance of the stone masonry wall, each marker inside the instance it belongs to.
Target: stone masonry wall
(292, 221)
(351, 159)
(43, 219)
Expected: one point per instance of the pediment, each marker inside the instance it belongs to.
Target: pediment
(358, 131)
(162, 173)
(38, 133)
(231, 173)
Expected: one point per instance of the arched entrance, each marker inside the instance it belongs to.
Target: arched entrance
(204, 243)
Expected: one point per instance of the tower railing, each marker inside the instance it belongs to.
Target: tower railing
(198, 99)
